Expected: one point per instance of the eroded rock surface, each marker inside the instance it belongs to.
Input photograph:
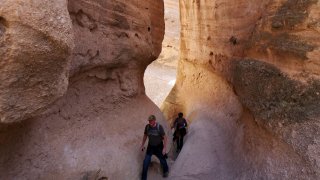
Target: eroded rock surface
(248, 83)
(112, 32)
(95, 129)
(160, 75)
(169, 55)
(36, 40)
(267, 54)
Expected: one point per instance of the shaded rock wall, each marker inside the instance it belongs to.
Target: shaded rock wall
(268, 55)
(36, 40)
(96, 127)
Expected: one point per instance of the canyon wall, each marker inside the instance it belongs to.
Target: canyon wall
(248, 80)
(72, 75)
(72, 101)
(169, 55)
(36, 40)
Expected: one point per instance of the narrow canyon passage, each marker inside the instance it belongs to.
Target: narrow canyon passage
(160, 75)
(75, 76)
(158, 81)
(213, 139)
(235, 83)
(210, 140)
(224, 140)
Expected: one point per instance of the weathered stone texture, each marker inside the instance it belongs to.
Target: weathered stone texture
(35, 42)
(273, 96)
(269, 53)
(248, 81)
(96, 127)
(115, 33)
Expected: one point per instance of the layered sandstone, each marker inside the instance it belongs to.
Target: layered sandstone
(95, 129)
(248, 80)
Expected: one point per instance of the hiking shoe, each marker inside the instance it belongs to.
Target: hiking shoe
(166, 174)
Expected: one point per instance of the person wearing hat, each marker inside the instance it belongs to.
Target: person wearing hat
(156, 146)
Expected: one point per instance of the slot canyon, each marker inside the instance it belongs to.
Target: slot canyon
(246, 75)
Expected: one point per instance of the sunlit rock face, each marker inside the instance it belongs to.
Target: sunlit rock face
(170, 46)
(251, 70)
(36, 40)
(160, 75)
(95, 129)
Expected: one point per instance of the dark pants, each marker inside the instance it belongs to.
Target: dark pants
(179, 143)
(178, 135)
(157, 151)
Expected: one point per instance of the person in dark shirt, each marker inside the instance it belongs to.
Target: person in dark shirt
(156, 146)
(180, 125)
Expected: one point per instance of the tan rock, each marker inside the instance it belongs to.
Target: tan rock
(248, 83)
(95, 130)
(169, 55)
(79, 137)
(267, 53)
(115, 34)
(35, 42)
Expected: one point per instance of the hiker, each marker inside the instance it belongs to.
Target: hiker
(180, 125)
(156, 146)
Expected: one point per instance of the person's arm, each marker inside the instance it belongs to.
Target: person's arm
(143, 141)
(144, 138)
(186, 124)
(164, 140)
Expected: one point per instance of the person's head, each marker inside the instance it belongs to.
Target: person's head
(152, 120)
(180, 115)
